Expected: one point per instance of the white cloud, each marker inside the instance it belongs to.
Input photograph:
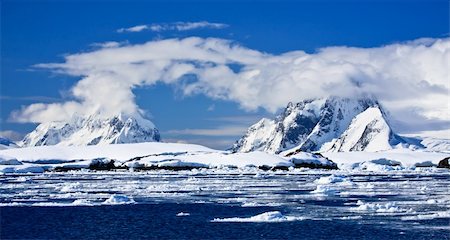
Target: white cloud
(137, 28)
(110, 44)
(212, 142)
(12, 135)
(212, 132)
(404, 76)
(176, 26)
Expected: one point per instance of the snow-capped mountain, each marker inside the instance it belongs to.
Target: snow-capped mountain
(93, 130)
(5, 143)
(330, 124)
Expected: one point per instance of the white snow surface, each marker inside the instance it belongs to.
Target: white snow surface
(112, 151)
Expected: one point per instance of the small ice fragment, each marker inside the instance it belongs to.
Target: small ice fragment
(183, 214)
(119, 199)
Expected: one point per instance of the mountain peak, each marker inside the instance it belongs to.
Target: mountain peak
(94, 130)
(310, 125)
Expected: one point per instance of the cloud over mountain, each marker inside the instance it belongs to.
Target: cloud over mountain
(410, 78)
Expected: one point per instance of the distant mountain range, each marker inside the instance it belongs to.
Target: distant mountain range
(332, 124)
(5, 143)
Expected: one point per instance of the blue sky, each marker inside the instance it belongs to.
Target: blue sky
(34, 32)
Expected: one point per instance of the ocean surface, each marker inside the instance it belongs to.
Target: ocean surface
(226, 204)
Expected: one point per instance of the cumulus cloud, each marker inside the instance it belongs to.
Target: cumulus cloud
(407, 77)
(176, 26)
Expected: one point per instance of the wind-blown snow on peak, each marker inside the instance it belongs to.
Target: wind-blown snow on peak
(94, 130)
(311, 125)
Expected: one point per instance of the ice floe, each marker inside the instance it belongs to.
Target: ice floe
(389, 207)
(119, 199)
(183, 214)
(273, 216)
(427, 216)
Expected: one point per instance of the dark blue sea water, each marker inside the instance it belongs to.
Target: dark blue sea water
(159, 221)
(145, 205)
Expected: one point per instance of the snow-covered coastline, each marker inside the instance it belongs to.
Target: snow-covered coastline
(176, 156)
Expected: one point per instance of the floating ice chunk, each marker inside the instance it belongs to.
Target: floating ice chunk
(183, 214)
(82, 202)
(389, 207)
(11, 204)
(119, 199)
(274, 216)
(324, 190)
(441, 214)
(351, 217)
(50, 204)
(23, 180)
(261, 204)
(71, 187)
(331, 179)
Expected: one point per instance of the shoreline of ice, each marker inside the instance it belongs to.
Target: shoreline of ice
(171, 156)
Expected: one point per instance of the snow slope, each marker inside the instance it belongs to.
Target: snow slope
(368, 131)
(113, 151)
(93, 130)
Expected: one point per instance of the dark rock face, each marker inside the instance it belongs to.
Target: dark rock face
(102, 164)
(5, 141)
(317, 166)
(444, 163)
